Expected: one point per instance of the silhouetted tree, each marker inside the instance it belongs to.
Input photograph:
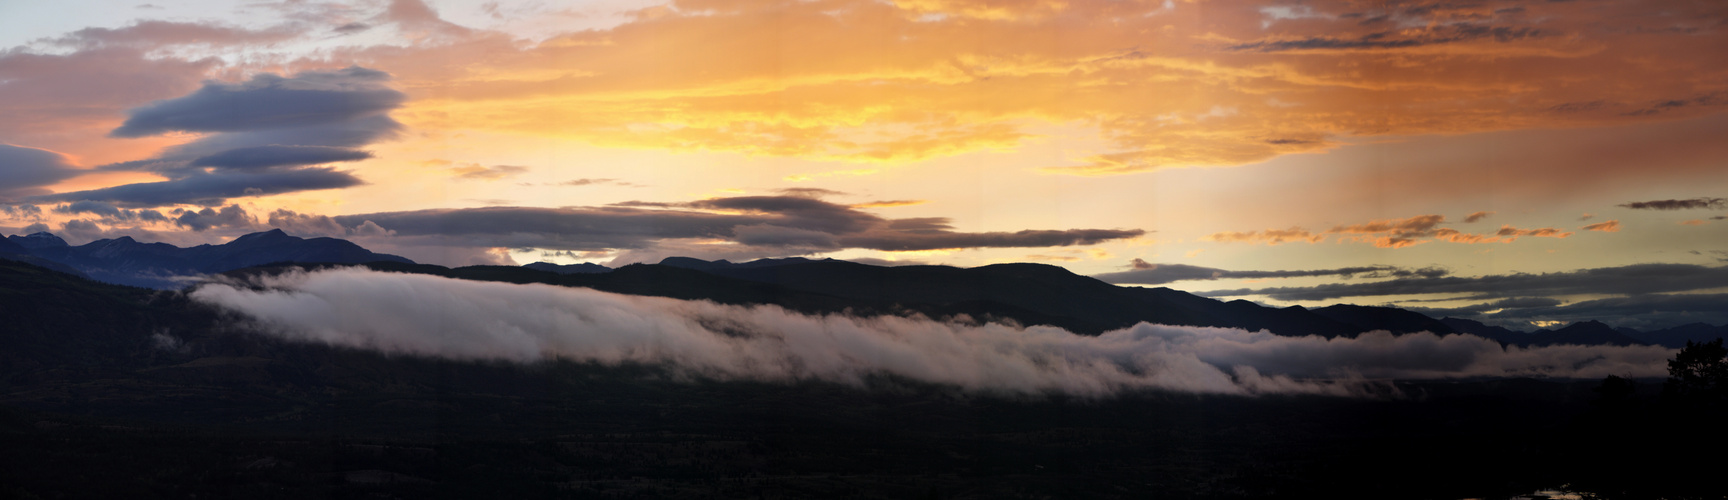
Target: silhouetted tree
(1698, 374)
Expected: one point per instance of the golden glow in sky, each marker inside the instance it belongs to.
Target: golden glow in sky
(1114, 138)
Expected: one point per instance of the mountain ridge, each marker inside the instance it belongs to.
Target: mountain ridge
(1020, 293)
(127, 261)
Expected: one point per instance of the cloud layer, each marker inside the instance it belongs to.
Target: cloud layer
(792, 224)
(1145, 273)
(1165, 84)
(1636, 279)
(24, 171)
(264, 136)
(1393, 233)
(1686, 204)
(432, 316)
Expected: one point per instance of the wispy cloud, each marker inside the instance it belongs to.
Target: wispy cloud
(794, 224)
(965, 76)
(260, 137)
(1693, 203)
(1391, 233)
(1624, 280)
(488, 173)
(1146, 273)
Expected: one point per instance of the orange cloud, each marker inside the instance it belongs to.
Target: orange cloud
(1164, 84)
(1455, 236)
(889, 203)
(1420, 224)
(1392, 233)
(1057, 258)
(482, 172)
(1269, 236)
(1612, 226)
(1512, 233)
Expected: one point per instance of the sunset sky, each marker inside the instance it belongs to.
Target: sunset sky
(1519, 163)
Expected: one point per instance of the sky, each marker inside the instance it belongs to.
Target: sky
(1525, 164)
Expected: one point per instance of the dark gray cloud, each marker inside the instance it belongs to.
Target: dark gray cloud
(267, 102)
(351, 28)
(349, 134)
(80, 229)
(1145, 273)
(1665, 105)
(265, 135)
(303, 225)
(1579, 106)
(912, 241)
(779, 236)
(556, 228)
(796, 211)
(110, 213)
(21, 212)
(1624, 280)
(229, 216)
(1694, 203)
(586, 182)
(212, 189)
(1476, 216)
(809, 192)
(1478, 309)
(262, 157)
(24, 171)
(1397, 39)
(806, 224)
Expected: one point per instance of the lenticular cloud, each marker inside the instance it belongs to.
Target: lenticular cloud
(469, 320)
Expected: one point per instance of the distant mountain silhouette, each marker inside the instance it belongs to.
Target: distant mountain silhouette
(15, 249)
(37, 240)
(8, 247)
(1480, 329)
(1581, 333)
(1677, 337)
(127, 261)
(1383, 318)
(583, 268)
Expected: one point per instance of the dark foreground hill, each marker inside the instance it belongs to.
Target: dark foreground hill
(110, 391)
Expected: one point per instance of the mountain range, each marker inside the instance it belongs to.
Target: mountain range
(1055, 296)
(1027, 294)
(126, 261)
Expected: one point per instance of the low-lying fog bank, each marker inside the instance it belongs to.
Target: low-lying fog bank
(471, 320)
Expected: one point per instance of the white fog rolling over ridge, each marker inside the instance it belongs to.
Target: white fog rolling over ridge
(425, 315)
